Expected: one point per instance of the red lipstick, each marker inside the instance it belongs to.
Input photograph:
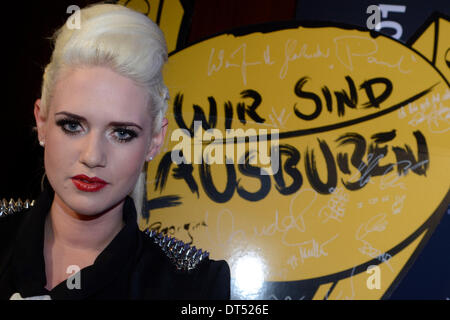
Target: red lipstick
(87, 184)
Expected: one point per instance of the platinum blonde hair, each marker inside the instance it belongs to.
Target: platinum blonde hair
(124, 40)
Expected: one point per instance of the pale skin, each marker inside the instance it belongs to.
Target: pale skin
(112, 140)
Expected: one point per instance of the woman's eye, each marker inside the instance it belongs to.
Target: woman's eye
(124, 135)
(69, 126)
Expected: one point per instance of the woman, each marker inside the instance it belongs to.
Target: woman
(100, 118)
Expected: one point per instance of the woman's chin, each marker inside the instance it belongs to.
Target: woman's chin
(87, 206)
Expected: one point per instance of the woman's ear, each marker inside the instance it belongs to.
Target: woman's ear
(157, 141)
(40, 121)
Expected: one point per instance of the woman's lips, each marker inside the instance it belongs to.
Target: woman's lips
(87, 184)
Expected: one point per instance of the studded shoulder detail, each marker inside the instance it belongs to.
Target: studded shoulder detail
(7, 208)
(182, 255)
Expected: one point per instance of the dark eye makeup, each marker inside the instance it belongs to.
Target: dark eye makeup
(72, 127)
(124, 135)
(68, 125)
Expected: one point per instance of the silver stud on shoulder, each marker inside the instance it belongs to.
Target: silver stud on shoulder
(7, 208)
(182, 255)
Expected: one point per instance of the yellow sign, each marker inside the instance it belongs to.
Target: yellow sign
(359, 163)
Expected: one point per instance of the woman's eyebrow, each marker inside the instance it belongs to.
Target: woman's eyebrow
(124, 124)
(71, 115)
(114, 123)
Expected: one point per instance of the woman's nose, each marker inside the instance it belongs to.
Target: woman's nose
(93, 153)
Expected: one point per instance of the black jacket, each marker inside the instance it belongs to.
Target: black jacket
(132, 266)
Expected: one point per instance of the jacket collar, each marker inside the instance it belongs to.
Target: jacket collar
(28, 258)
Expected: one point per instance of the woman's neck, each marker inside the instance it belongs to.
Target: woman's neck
(68, 229)
(73, 239)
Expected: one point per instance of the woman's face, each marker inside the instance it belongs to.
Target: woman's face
(98, 125)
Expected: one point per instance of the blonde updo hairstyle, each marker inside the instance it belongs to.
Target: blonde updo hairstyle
(124, 40)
